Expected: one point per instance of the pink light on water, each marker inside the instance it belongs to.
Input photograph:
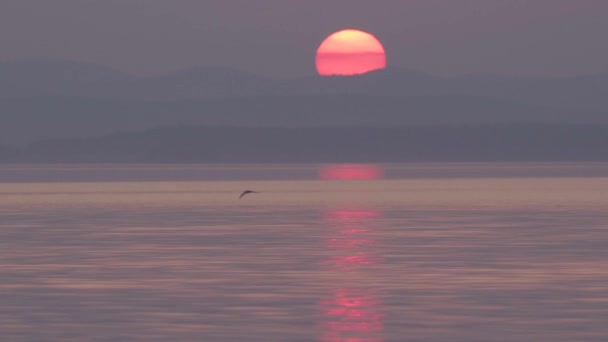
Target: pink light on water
(351, 216)
(352, 315)
(353, 312)
(351, 172)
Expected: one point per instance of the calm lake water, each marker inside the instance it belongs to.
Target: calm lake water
(432, 252)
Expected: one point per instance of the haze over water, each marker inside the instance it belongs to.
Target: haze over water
(434, 252)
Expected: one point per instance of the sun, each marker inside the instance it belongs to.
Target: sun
(350, 52)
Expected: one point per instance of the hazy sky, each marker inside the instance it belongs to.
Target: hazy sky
(279, 37)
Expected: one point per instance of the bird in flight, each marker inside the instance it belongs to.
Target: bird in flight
(247, 192)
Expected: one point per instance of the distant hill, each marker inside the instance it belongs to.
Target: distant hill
(42, 77)
(7, 153)
(43, 99)
(193, 83)
(27, 120)
(199, 144)
(31, 78)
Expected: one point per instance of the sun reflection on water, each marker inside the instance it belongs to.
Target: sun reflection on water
(352, 313)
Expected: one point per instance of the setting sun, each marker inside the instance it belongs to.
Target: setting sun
(350, 52)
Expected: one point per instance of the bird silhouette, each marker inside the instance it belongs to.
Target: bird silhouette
(247, 192)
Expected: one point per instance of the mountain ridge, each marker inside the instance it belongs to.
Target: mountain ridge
(589, 91)
(425, 143)
(42, 99)
(28, 119)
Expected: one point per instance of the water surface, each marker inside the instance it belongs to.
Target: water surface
(467, 252)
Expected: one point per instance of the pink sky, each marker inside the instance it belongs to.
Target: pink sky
(280, 37)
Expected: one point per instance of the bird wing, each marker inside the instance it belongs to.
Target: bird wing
(247, 192)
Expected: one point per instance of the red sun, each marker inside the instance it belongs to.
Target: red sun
(350, 52)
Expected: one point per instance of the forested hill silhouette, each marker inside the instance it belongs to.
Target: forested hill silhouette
(35, 77)
(46, 77)
(7, 153)
(25, 120)
(43, 99)
(199, 144)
